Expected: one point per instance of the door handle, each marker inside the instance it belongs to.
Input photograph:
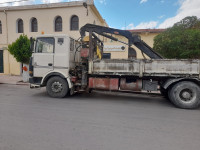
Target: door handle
(50, 64)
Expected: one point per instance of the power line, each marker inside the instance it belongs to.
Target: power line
(14, 1)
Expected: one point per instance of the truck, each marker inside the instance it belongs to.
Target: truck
(66, 66)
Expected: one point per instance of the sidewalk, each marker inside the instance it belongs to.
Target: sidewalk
(9, 79)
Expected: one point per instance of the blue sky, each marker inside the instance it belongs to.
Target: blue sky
(138, 14)
(123, 13)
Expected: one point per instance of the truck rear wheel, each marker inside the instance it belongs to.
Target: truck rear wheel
(57, 87)
(185, 95)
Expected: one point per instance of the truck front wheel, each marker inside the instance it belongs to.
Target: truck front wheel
(57, 87)
(185, 95)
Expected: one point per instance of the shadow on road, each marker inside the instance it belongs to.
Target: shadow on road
(100, 96)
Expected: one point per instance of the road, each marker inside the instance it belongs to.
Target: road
(30, 120)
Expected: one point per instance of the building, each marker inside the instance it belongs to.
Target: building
(32, 20)
(58, 18)
(147, 35)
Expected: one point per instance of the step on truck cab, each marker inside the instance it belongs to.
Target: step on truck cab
(66, 66)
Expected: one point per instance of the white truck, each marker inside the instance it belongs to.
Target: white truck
(66, 66)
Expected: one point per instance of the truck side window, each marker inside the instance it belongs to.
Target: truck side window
(45, 45)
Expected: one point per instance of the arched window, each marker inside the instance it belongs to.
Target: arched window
(74, 23)
(58, 24)
(34, 25)
(20, 26)
(0, 27)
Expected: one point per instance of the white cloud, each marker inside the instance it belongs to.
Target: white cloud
(15, 2)
(147, 25)
(160, 17)
(101, 1)
(187, 8)
(51, 1)
(142, 25)
(129, 27)
(29, 2)
(143, 1)
(58, 1)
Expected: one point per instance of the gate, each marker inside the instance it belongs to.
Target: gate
(1, 61)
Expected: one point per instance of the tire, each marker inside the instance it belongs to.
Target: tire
(185, 95)
(57, 87)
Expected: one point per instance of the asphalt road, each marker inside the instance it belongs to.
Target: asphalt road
(30, 120)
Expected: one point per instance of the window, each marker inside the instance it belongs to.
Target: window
(58, 24)
(0, 28)
(20, 26)
(45, 45)
(74, 23)
(34, 25)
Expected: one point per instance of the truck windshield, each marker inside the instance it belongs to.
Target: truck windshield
(45, 45)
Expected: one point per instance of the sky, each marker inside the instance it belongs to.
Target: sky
(135, 14)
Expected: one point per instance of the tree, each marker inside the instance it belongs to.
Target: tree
(180, 41)
(188, 23)
(20, 49)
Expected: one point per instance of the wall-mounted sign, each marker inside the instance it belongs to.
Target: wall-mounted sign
(117, 48)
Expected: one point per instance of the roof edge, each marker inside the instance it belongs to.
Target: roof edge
(147, 30)
(46, 6)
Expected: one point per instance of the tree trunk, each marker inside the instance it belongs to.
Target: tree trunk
(25, 73)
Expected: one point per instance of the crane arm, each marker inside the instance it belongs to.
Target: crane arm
(132, 39)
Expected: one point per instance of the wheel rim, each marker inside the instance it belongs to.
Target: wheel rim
(56, 87)
(187, 95)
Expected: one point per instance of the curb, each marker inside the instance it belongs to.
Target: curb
(17, 83)
(9, 83)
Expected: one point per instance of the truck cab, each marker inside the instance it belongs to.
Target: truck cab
(53, 55)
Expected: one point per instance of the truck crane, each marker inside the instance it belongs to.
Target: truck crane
(66, 66)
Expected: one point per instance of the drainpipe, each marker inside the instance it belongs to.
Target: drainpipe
(6, 25)
(7, 39)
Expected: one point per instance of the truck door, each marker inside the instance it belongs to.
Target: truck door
(43, 58)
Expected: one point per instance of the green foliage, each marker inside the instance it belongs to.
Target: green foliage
(181, 41)
(20, 49)
(188, 23)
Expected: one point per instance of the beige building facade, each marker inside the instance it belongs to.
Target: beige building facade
(147, 35)
(55, 18)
